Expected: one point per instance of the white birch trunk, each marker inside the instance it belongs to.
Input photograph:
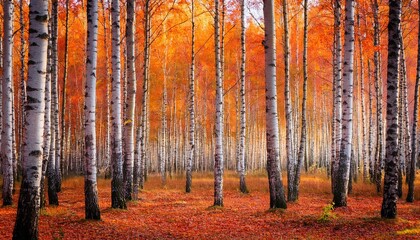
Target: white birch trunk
(51, 172)
(144, 108)
(131, 101)
(291, 164)
(302, 146)
(117, 188)
(379, 155)
(362, 87)
(218, 130)
(26, 226)
(47, 119)
(338, 91)
(277, 197)
(6, 130)
(242, 109)
(191, 106)
(342, 178)
(91, 189)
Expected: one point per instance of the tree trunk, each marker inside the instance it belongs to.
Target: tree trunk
(371, 126)
(26, 226)
(7, 118)
(22, 85)
(51, 172)
(288, 108)
(131, 101)
(414, 154)
(378, 86)
(337, 92)
(191, 107)
(218, 130)
(302, 147)
(61, 133)
(389, 204)
(277, 198)
(362, 89)
(117, 188)
(108, 81)
(144, 108)
(242, 110)
(342, 177)
(91, 189)
(47, 118)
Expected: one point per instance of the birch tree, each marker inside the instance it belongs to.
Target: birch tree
(218, 130)
(378, 88)
(362, 89)
(6, 133)
(61, 133)
(117, 188)
(47, 118)
(51, 169)
(288, 108)
(390, 196)
(191, 106)
(91, 189)
(145, 105)
(26, 225)
(342, 178)
(277, 197)
(302, 147)
(242, 110)
(414, 157)
(131, 101)
(22, 86)
(337, 104)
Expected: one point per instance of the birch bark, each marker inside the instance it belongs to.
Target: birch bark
(26, 226)
(91, 189)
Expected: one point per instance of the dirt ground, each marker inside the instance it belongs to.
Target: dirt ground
(169, 213)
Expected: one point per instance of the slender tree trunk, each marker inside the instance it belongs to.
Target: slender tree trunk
(61, 133)
(108, 81)
(406, 145)
(117, 188)
(91, 189)
(389, 204)
(403, 132)
(414, 154)
(26, 226)
(362, 88)
(302, 147)
(277, 198)
(288, 108)
(371, 137)
(218, 132)
(378, 86)
(191, 107)
(22, 85)
(7, 118)
(131, 100)
(47, 118)
(136, 166)
(338, 92)
(242, 110)
(51, 172)
(144, 108)
(342, 177)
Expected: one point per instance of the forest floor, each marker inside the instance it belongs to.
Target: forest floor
(169, 213)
